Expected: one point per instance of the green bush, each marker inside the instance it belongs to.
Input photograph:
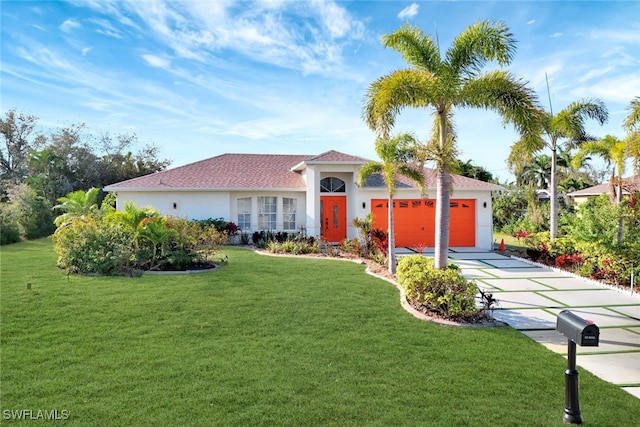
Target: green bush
(31, 212)
(445, 292)
(9, 229)
(88, 245)
(128, 242)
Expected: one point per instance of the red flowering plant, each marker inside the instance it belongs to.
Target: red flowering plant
(570, 262)
(521, 234)
(420, 247)
(380, 240)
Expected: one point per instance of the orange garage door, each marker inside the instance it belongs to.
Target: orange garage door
(414, 221)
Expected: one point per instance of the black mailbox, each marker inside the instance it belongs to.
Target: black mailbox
(583, 332)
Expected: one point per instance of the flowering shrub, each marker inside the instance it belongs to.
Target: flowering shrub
(521, 234)
(571, 262)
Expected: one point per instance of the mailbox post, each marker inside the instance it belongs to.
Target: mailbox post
(584, 333)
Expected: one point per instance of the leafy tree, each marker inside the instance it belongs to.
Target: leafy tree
(564, 130)
(442, 83)
(16, 129)
(31, 211)
(120, 163)
(509, 206)
(470, 170)
(394, 154)
(615, 153)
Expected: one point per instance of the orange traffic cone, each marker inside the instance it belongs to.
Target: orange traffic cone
(501, 247)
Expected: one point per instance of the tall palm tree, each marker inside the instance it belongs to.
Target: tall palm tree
(442, 83)
(615, 153)
(396, 155)
(564, 130)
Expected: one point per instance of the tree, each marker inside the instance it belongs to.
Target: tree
(537, 173)
(632, 124)
(470, 170)
(615, 153)
(77, 204)
(441, 84)
(565, 130)
(16, 129)
(395, 155)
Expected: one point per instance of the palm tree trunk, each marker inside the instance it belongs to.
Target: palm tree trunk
(553, 225)
(391, 250)
(443, 188)
(620, 232)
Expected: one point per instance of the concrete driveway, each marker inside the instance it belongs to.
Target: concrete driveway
(531, 296)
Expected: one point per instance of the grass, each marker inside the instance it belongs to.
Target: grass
(511, 243)
(266, 341)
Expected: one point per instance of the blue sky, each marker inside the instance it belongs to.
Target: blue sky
(202, 78)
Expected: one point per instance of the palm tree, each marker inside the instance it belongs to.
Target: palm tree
(632, 124)
(441, 83)
(565, 130)
(395, 155)
(76, 204)
(537, 173)
(615, 153)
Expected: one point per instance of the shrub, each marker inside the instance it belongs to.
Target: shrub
(88, 245)
(445, 292)
(9, 229)
(133, 241)
(380, 240)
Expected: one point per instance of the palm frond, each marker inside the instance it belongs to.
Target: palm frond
(570, 122)
(632, 121)
(481, 42)
(510, 97)
(391, 93)
(417, 49)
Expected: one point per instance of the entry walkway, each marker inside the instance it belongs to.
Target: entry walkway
(530, 297)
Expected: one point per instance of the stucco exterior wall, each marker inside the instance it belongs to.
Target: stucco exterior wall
(181, 204)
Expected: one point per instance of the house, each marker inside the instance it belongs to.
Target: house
(314, 193)
(629, 185)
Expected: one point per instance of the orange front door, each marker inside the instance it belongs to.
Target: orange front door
(333, 213)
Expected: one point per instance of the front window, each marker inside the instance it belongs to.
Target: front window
(244, 213)
(332, 185)
(267, 213)
(289, 213)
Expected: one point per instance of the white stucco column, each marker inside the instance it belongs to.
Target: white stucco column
(313, 201)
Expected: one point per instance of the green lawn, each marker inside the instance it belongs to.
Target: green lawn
(266, 341)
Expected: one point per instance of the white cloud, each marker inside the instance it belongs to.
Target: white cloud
(617, 89)
(531, 22)
(156, 61)
(409, 11)
(70, 24)
(556, 35)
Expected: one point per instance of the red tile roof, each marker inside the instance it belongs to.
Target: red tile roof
(262, 171)
(227, 171)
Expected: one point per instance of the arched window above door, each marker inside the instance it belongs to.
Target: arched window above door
(332, 185)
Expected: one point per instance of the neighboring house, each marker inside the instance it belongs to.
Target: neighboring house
(629, 185)
(317, 194)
